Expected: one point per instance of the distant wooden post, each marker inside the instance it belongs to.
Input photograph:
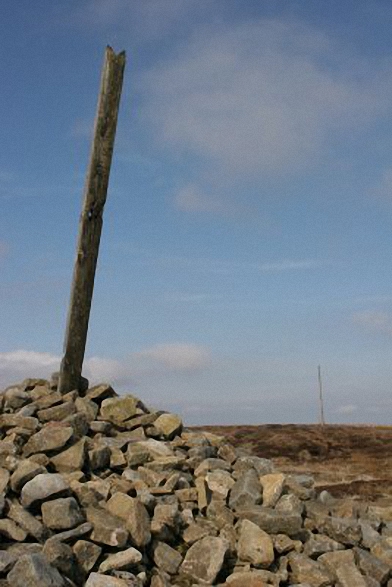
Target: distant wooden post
(91, 220)
(322, 420)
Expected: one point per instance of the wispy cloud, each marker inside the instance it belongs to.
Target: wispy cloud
(346, 409)
(260, 96)
(165, 358)
(374, 321)
(191, 199)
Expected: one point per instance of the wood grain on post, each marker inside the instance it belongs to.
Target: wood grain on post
(91, 220)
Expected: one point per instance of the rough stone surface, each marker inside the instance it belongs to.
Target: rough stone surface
(97, 490)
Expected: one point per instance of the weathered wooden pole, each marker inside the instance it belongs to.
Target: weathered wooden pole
(91, 220)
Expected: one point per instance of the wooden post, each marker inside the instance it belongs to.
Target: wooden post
(91, 220)
(322, 420)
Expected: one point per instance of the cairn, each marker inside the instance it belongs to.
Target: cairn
(98, 490)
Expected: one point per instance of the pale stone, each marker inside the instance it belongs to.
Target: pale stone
(168, 425)
(272, 488)
(48, 439)
(42, 487)
(255, 545)
(204, 559)
(119, 409)
(61, 514)
(121, 560)
(33, 570)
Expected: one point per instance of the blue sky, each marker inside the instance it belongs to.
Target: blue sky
(247, 230)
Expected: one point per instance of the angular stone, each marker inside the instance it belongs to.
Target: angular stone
(371, 566)
(71, 459)
(246, 491)
(119, 409)
(204, 559)
(219, 483)
(12, 531)
(87, 554)
(135, 516)
(306, 570)
(25, 471)
(25, 520)
(166, 558)
(255, 545)
(100, 392)
(81, 530)
(334, 560)
(33, 570)
(125, 559)
(48, 439)
(271, 521)
(350, 576)
(383, 551)
(42, 487)
(272, 488)
(17, 421)
(99, 458)
(168, 425)
(344, 530)
(57, 413)
(62, 514)
(87, 407)
(60, 556)
(107, 529)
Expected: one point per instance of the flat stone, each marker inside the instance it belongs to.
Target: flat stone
(255, 545)
(125, 559)
(48, 439)
(62, 514)
(42, 487)
(57, 413)
(271, 521)
(371, 566)
(245, 579)
(33, 570)
(100, 392)
(204, 559)
(219, 483)
(17, 421)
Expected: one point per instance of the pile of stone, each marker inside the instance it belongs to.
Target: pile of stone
(98, 490)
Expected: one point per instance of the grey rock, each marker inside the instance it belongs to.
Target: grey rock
(33, 570)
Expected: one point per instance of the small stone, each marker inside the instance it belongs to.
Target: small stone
(99, 580)
(4, 479)
(306, 570)
(71, 459)
(107, 529)
(62, 514)
(121, 560)
(57, 413)
(135, 516)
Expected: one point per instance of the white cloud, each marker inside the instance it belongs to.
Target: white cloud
(375, 321)
(161, 358)
(17, 365)
(177, 356)
(259, 96)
